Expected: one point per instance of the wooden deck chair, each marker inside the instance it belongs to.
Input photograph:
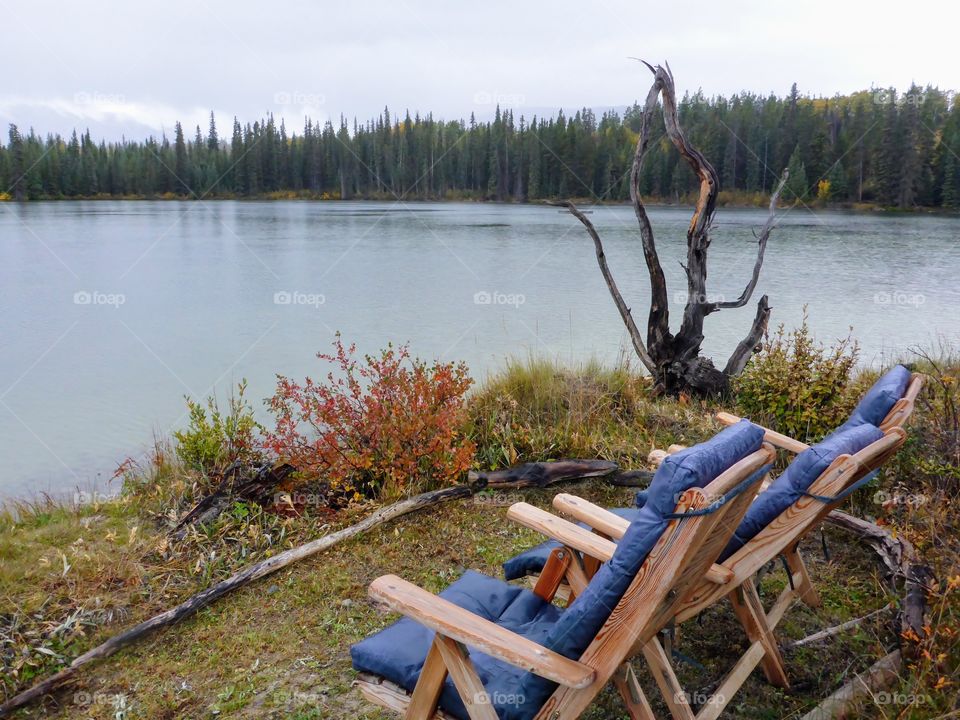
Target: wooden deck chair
(887, 404)
(532, 659)
(732, 575)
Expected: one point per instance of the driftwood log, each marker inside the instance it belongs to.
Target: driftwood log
(244, 577)
(674, 360)
(541, 474)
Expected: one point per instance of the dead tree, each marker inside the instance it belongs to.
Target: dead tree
(674, 360)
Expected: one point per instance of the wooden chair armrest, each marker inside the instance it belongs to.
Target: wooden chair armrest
(465, 627)
(771, 436)
(598, 518)
(563, 531)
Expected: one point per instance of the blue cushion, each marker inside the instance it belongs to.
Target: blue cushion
(796, 479)
(696, 466)
(398, 652)
(879, 399)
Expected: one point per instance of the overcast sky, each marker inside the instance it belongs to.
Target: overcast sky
(135, 68)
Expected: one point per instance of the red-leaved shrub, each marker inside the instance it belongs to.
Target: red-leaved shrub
(384, 425)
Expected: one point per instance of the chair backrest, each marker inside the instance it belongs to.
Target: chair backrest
(879, 400)
(796, 520)
(796, 480)
(695, 467)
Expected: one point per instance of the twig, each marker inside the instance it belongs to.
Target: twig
(837, 629)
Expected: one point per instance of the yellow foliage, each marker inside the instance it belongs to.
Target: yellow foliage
(823, 190)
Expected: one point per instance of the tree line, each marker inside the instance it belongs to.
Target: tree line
(872, 146)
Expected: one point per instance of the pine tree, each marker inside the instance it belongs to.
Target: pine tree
(796, 187)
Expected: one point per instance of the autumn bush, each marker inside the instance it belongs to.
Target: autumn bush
(799, 386)
(381, 425)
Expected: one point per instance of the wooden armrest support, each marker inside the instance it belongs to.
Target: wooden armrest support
(595, 516)
(771, 436)
(472, 630)
(719, 575)
(562, 530)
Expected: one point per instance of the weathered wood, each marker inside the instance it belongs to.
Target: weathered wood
(771, 436)
(634, 699)
(882, 674)
(562, 530)
(465, 678)
(244, 577)
(426, 694)
(837, 629)
(749, 611)
(393, 697)
(542, 474)
(465, 627)
(675, 361)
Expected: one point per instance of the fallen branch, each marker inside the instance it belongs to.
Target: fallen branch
(836, 629)
(244, 577)
(541, 474)
(882, 674)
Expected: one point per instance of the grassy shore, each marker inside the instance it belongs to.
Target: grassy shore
(72, 576)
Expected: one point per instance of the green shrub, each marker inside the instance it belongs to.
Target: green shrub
(213, 439)
(797, 385)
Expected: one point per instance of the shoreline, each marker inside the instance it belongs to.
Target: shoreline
(737, 203)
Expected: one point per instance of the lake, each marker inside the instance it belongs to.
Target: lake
(111, 312)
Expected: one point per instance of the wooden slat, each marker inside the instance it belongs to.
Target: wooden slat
(800, 577)
(749, 611)
(731, 683)
(468, 683)
(463, 626)
(426, 695)
(633, 696)
(666, 679)
(562, 530)
(719, 575)
(554, 573)
(595, 516)
(393, 697)
(771, 436)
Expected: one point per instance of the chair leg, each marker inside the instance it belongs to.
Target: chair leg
(670, 687)
(633, 697)
(749, 610)
(801, 579)
(468, 683)
(426, 695)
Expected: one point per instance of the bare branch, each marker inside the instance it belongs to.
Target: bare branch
(658, 323)
(738, 360)
(762, 246)
(625, 313)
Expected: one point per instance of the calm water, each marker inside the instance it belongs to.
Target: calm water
(111, 312)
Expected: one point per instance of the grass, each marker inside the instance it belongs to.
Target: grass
(73, 576)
